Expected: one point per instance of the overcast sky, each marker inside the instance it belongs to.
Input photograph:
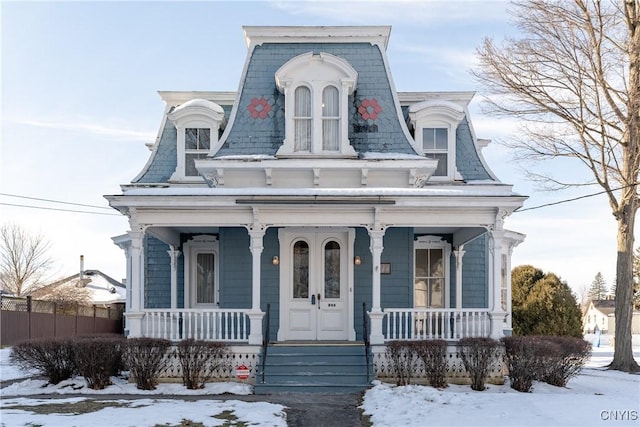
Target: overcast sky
(79, 103)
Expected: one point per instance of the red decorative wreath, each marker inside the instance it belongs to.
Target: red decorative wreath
(369, 109)
(259, 108)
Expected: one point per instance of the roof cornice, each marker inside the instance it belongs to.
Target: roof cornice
(257, 35)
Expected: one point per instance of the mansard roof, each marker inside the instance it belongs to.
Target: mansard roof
(254, 116)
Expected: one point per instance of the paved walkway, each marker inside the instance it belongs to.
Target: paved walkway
(303, 409)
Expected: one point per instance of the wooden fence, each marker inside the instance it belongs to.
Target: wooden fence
(23, 319)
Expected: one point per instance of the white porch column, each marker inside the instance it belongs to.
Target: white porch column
(459, 253)
(376, 246)
(174, 254)
(497, 313)
(256, 314)
(134, 316)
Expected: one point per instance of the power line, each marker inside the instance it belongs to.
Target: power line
(54, 201)
(574, 199)
(58, 209)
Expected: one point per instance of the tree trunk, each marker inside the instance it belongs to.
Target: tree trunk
(623, 352)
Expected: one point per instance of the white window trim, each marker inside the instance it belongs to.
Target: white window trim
(194, 246)
(199, 114)
(435, 242)
(438, 114)
(316, 71)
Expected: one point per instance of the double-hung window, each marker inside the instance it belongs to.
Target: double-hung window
(197, 123)
(435, 123)
(435, 145)
(431, 272)
(197, 142)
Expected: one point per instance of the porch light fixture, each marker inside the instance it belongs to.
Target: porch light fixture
(357, 260)
(275, 260)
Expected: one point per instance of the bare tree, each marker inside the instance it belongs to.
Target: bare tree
(65, 294)
(573, 80)
(24, 259)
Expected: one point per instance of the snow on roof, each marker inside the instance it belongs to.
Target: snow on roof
(369, 155)
(200, 103)
(496, 189)
(103, 290)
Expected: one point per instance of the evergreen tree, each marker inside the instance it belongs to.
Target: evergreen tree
(598, 289)
(543, 304)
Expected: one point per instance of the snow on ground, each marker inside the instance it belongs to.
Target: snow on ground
(595, 397)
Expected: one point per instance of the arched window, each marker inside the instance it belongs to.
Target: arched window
(330, 119)
(302, 119)
(316, 88)
(301, 269)
(332, 270)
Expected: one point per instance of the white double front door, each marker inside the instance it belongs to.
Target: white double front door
(316, 284)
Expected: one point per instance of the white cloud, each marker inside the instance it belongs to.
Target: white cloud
(78, 126)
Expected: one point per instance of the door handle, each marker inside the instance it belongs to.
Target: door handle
(318, 301)
(313, 299)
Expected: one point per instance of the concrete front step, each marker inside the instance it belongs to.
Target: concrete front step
(314, 368)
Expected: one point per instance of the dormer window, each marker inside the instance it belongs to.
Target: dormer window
(197, 123)
(197, 142)
(435, 145)
(316, 89)
(302, 119)
(435, 123)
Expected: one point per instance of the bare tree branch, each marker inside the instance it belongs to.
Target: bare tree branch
(24, 259)
(573, 79)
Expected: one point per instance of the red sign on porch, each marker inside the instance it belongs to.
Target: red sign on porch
(242, 372)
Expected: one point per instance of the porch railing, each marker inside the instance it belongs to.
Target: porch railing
(429, 323)
(202, 324)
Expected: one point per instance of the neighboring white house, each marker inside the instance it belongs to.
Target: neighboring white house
(600, 316)
(100, 289)
(314, 190)
(596, 316)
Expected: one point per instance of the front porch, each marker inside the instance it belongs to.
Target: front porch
(234, 325)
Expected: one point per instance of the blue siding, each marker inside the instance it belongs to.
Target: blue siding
(164, 160)
(265, 136)
(467, 158)
(157, 273)
(235, 268)
(452, 282)
(362, 278)
(397, 287)
(475, 275)
(270, 276)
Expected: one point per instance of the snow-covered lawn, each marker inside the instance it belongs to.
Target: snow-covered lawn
(595, 397)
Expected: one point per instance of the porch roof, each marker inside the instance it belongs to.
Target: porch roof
(469, 189)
